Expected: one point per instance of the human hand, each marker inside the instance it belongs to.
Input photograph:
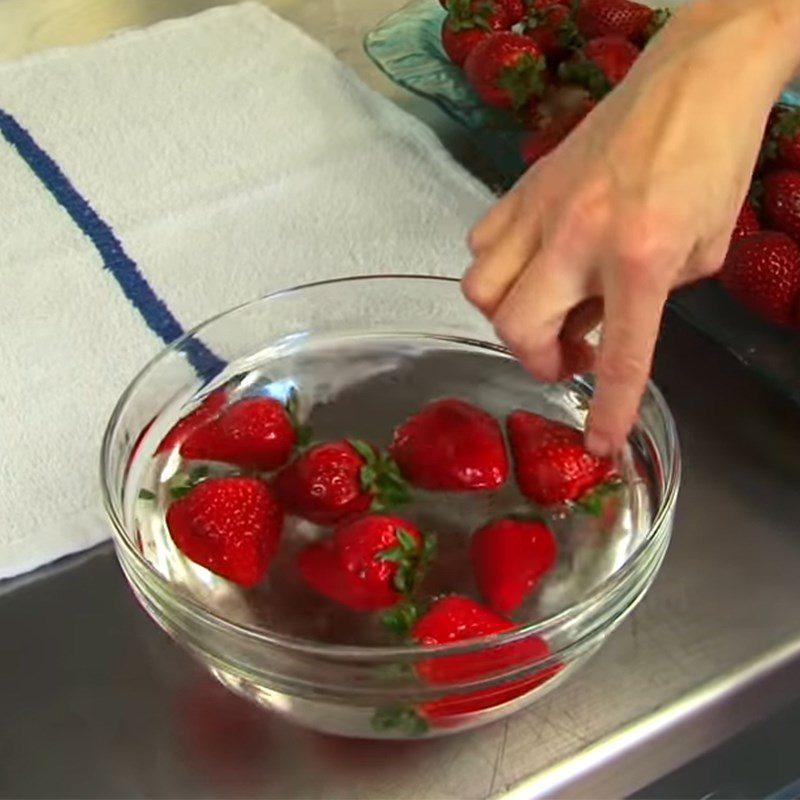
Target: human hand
(641, 198)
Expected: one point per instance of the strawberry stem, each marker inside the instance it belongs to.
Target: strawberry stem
(592, 501)
(381, 476)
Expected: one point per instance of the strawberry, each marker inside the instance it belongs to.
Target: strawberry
(747, 222)
(491, 15)
(231, 526)
(205, 412)
(762, 271)
(542, 141)
(335, 480)
(451, 445)
(458, 43)
(601, 65)
(253, 433)
(551, 463)
(552, 28)
(507, 70)
(623, 18)
(368, 563)
(455, 619)
(781, 202)
(509, 557)
(783, 137)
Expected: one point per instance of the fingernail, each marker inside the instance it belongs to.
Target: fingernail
(597, 444)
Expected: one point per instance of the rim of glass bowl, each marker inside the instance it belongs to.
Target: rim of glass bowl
(603, 591)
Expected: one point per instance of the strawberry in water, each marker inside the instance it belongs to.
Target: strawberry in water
(552, 465)
(335, 480)
(507, 70)
(509, 557)
(231, 526)
(601, 65)
(369, 563)
(451, 445)
(762, 271)
(454, 619)
(208, 410)
(781, 202)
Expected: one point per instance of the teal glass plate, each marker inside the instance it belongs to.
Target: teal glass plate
(406, 46)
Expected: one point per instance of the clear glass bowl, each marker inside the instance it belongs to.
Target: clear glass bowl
(352, 689)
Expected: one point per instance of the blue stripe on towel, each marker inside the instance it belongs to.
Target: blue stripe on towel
(134, 285)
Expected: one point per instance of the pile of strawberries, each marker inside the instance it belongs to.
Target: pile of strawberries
(372, 559)
(762, 267)
(547, 61)
(550, 61)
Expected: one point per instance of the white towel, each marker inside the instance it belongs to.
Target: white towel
(218, 157)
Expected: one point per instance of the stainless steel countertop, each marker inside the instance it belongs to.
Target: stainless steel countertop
(98, 703)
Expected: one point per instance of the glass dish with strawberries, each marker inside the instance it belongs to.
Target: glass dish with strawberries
(356, 509)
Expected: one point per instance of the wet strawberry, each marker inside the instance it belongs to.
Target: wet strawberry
(253, 433)
(451, 445)
(335, 480)
(551, 464)
(231, 526)
(205, 412)
(509, 557)
(507, 70)
(368, 563)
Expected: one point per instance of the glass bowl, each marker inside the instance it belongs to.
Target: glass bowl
(362, 352)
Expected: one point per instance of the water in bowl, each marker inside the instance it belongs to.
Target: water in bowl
(363, 386)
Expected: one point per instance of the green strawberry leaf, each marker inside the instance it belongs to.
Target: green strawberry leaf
(146, 494)
(364, 449)
(401, 618)
(391, 554)
(408, 543)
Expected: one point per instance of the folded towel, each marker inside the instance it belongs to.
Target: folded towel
(154, 179)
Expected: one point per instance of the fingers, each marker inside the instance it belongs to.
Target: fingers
(530, 317)
(633, 307)
(498, 264)
(496, 220)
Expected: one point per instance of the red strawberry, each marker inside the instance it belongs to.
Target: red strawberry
(508, 558)
(781, 202)
(335, 480)
(205, 412)
(366, 564)
(539, 143)
(552, 28)
(783, 137)
(747, 221)
(762, 271)
(231, 526)
(254, 433)
(451, 445)
(614, 18)
(507, 70)
(551, 463)
(454, 619)
(491, 15)
(458, 43)
(603, 63)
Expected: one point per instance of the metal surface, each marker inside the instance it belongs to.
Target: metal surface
(98, 703)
